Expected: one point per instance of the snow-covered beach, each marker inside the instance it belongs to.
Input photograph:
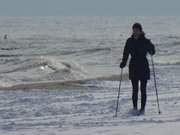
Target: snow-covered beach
(47, 51)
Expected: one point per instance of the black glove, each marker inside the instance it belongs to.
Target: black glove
(122, 65)
(151, 53)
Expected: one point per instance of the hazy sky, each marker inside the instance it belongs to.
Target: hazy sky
(88, 7)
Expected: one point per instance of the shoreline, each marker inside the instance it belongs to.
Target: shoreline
(61, 83)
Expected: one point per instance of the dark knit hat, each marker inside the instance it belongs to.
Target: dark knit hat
(138, 26)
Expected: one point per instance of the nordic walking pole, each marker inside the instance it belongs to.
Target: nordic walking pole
(155, 84)
(117, 104)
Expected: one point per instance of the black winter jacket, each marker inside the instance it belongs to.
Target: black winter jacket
(138, 49)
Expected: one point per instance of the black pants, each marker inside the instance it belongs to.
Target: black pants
(135, 85)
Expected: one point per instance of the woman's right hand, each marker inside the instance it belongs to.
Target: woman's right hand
(122, 65)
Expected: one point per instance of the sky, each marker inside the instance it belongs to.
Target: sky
(89, 7)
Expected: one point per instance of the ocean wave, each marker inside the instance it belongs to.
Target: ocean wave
(8, 48)
(176, 43)
(86, 51)
(93, 50)
(44, 69)
(9, 55)
(173, 37)
(167, 63)
(167, 60)
(6, 82)
(43, 62)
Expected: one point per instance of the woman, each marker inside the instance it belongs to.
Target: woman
(138, 46)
